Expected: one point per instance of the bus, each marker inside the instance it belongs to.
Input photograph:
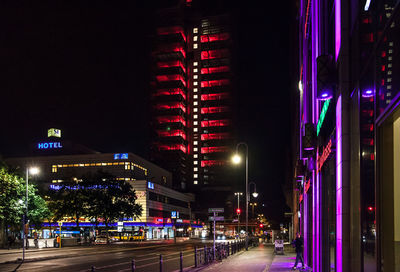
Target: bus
(125, 235)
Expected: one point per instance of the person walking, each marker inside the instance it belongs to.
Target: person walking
(298, 244)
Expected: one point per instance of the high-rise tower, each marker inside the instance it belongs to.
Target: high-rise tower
(192, 97)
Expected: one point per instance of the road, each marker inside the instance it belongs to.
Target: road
(117, 257)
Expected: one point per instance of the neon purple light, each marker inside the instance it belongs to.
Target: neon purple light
(339, 208)
(337, 28)
(305, 230)
(368, 93)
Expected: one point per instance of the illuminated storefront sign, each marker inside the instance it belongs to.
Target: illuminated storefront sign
(49, 145)
(150, 185)
(324, 156)
(322, 115)
(121, 156)
(54, 132)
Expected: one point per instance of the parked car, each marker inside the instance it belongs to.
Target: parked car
(102, 239)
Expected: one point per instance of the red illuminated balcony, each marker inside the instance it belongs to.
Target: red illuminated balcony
(214, 136)
(214, 149)
(215, 123)
(212, 163)
(172, 133)
(164, 78)
(214, 83)
(171, 30)
(217, 96)
(173, 147)
(213, 70)
(170, 64)
(171, 119)
(214, 110)
(214, 54)
(170, 105)
(168, 92)
(214, 37)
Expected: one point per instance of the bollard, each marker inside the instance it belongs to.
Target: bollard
(161, 263)
(93, 268)
(195, 256)
(181, 261)
(133, 265)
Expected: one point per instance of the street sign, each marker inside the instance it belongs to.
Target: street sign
(215, 210)
(216, 218)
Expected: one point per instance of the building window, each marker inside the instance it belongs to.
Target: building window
(195, 83)
(195, 109)
(195, 123)
(195, 90)
(195, 149)
(195, 38)
(195, 103)
(195, 70)
(195, 76)
(195, 162)
(195, 156)
(195, 30)
(195, 169)
(195, 116)
(195, 63)
(195, 46)
(195, 129)
(195, 182)
(195, 142)
(195, 175)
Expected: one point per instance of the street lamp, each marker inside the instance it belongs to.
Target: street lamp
(255, 194)
(32, 171)
(238, 194)
(236, 160)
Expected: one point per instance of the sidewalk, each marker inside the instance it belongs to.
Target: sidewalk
(259, 259)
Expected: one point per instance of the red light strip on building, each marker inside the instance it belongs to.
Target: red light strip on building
(325, 155)
(171, 64)
(175, 91)
(215, 123)
(214, 136)
(171, 30)
(217, 96)
(214, 37)
(212, 163)
(163, 78)
(214, 110)
(214, 54)
(172, 133)
(171, 105)
(214, 149)
(171, 119)
(213, 83)
(213, 70)
(173, 147)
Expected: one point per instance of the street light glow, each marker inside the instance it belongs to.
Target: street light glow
(34, 170)
(255, 194)
(236, 159)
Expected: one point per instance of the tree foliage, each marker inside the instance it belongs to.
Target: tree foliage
(13, 197)
(96, 196)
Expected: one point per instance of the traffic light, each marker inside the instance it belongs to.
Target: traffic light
(261, 226)
(238, 211)
(370, 209)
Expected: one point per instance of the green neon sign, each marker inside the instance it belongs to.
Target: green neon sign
(322, 115)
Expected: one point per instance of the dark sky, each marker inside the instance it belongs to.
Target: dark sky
(83, 67)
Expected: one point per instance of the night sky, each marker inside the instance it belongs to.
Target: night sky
(83, 67)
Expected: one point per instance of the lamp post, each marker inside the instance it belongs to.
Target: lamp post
(238, 194)
(32, 171)
(236, 160)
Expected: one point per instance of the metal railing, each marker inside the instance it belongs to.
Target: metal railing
(204, 255)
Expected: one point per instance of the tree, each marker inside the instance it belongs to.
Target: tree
(111, 199)
(69, 199)
(12, 202)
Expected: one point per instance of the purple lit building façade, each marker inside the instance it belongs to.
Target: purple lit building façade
(347, 177)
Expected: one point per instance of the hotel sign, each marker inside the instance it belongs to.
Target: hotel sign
(49, 145)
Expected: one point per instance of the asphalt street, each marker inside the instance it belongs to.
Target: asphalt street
(105, 257)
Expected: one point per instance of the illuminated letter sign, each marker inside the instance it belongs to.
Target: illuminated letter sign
(54, 132)
(121, 156)
(49, 145)
(150, 185)
(322, 115)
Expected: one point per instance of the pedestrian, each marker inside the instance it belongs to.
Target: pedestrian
(35, 239)
(298, 244)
